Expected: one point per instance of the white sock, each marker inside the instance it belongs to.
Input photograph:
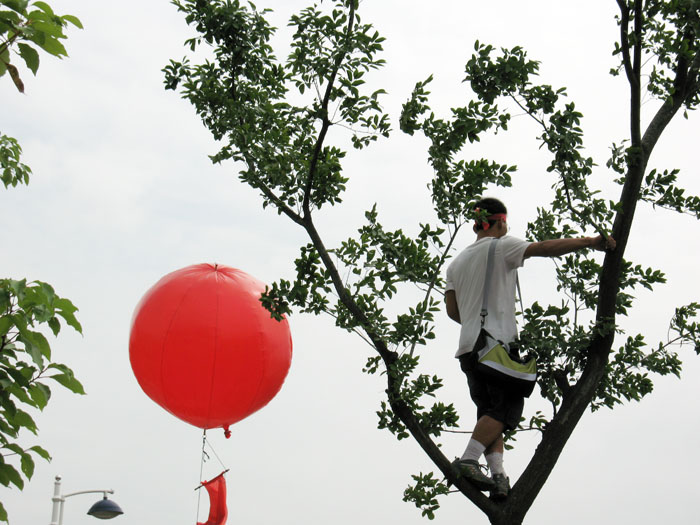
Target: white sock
(495, 463)
(474, 450)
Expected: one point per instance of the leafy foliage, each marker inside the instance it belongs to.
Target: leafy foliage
(29, 27)
(425, 492)
(24, 29)
(242, 97)
(668, 36)
(26, 368)
(25, 353)
(13, 170)
(286, 124)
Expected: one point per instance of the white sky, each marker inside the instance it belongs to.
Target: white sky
(123, 193)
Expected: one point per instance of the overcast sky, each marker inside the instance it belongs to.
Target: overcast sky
(123, 193)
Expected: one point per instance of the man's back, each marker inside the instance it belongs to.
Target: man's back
(466, 275)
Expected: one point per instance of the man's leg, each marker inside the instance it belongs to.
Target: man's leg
(486, 431)
(489, 432)
(486, 438)
(494, 456)
(494, 459)
(496, 446)
(493, 452)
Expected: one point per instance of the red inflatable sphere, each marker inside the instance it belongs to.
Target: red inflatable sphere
(204, 348)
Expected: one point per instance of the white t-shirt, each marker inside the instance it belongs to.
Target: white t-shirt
(466, 274)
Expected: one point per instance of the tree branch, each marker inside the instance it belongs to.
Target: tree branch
(624, 40)
(561, 381)
(693, 83)
(636, 84)
(324, 114)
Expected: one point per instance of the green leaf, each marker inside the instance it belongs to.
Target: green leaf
(10, 475)
(36, 16)
(18, 377)
(5, 302)
(18, 287)
(30, 56)
(14, 447)
(6, 430)
(73, 20)
(3, 513)
(21, 394)
(48, 292)
(42, 343)
(52, 46)
(46, 8)
(33, 345)
(66, 378)
(34, 351)
(17, 5)
(40, 394)
(4, 60)
(26, 460)
(5, 324)
(70, 382)
(66, 309)
(55, 325)
(39, 451)
(23, 419)
(10, 17)
(49, 28)
(27, 465)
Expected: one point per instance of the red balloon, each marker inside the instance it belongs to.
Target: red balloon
(203, 347)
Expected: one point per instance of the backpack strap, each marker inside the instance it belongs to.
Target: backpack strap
(487, 281)
(520, 295)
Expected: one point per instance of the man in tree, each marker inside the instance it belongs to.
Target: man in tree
(497, 408)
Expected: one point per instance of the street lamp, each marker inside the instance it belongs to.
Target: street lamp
(104, 509)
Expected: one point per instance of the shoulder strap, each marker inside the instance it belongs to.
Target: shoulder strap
(487, 281)
(520, 295)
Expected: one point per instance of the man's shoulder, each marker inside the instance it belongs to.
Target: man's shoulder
(471, 249)
(513, 251)
(515, 241)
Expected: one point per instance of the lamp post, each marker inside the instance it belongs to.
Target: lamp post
(104, 509)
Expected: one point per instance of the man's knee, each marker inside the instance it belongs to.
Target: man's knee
(492, 421)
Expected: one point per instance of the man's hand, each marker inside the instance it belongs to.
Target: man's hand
(603, 244)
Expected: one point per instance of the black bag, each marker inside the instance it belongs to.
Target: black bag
(494, 360)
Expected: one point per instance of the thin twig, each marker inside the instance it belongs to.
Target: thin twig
(429, 291)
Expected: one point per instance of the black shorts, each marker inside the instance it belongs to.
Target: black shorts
(489, 397)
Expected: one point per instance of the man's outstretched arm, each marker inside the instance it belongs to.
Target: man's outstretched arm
(557, 247)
